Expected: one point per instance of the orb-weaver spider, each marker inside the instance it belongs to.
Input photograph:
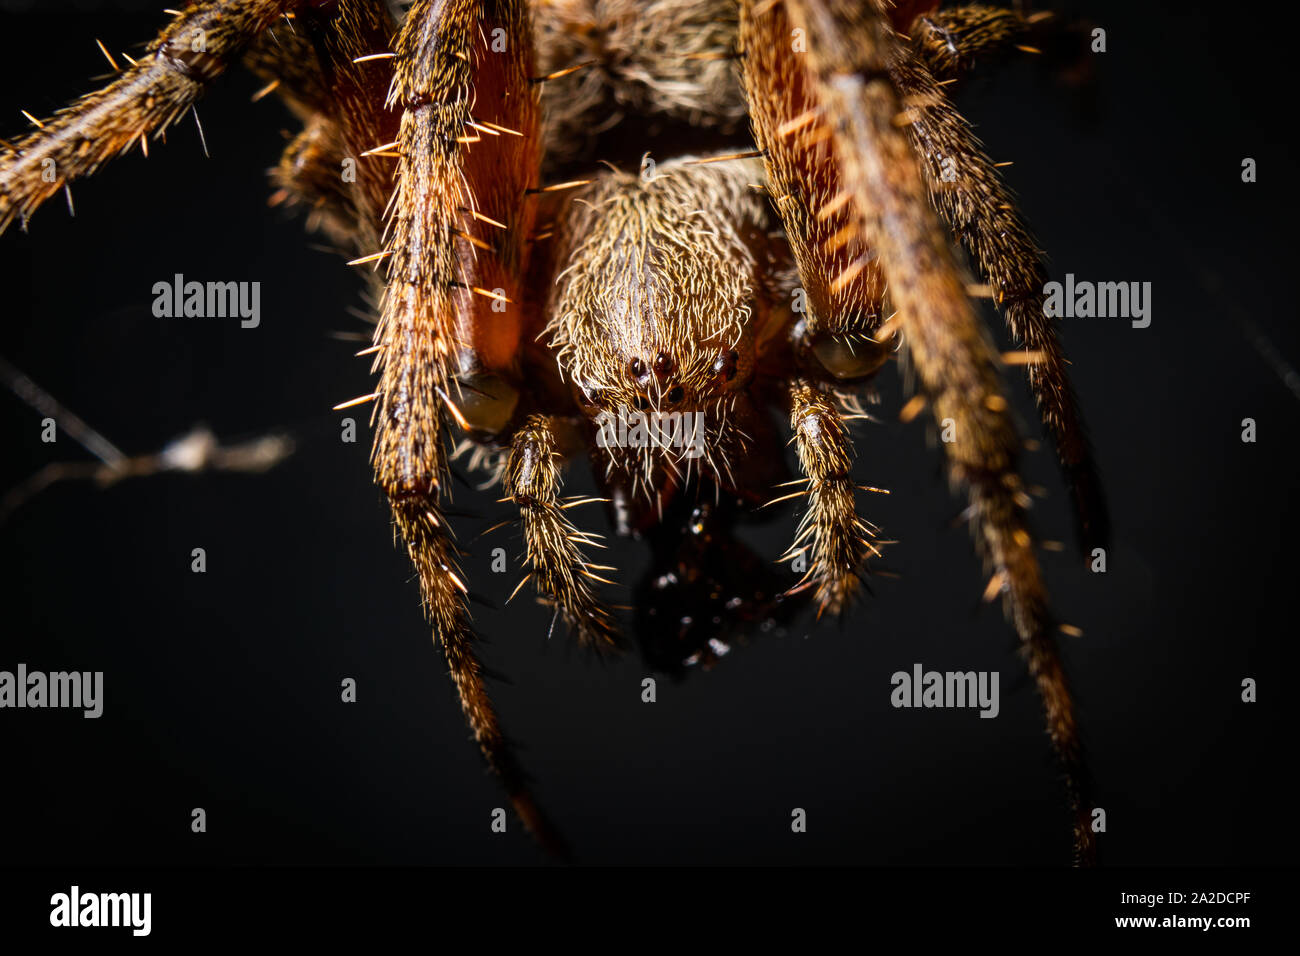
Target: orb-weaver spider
(520, 307)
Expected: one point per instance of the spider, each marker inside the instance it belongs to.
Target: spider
(533, 304)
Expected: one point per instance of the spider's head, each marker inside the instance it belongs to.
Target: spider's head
(653, 316)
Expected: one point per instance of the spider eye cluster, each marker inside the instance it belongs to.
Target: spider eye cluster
(661, 365)
(652, 380)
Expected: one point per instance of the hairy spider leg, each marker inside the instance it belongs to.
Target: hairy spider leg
(846, 64)
(964, 185)
(142, 101)
(459, 66)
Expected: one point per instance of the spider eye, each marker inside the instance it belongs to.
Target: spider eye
(663, 364)
(675, 394)
(727, 364)
(637, 368)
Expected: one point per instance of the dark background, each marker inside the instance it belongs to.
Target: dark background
(222, 689)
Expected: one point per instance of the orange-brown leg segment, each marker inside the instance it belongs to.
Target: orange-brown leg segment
(967, 190)
(950, 42)
(843, 291)
(840, 276)
(307, 176)
(455, 233)
(554, 546)
(833, 541)
(332, 71)
(352, 41)
(845, 68)
(146, 97)
(286, 59)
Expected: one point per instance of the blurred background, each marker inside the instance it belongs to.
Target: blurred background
(223, 688)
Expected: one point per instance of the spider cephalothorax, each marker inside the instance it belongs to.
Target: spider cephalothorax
(528, 296)
(654, 314)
